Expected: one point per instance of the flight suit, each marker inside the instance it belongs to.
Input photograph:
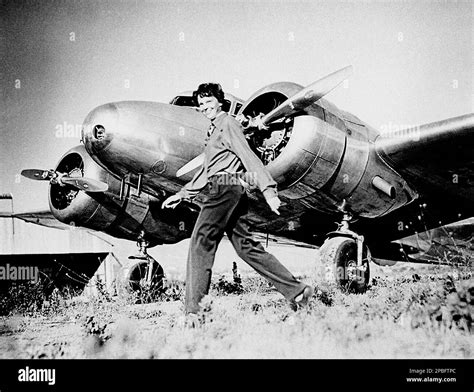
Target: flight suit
(228, 158)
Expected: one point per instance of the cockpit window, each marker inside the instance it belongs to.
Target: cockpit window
(183, 100)
(226, 105)
(237, 108)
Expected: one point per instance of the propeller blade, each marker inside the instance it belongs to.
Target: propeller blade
(308, 95)
(37, 174)
(85, 184)
(81, 183)
(191, 165)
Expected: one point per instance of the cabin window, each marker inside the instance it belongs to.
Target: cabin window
(183, 100)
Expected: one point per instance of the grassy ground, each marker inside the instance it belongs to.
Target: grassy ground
(406, 313)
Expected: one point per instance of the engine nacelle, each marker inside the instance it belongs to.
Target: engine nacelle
(302, 153)
(74, 207)
(119, 211)
(324, 156)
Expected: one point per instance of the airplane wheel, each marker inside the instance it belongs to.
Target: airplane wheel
(339, 259)
(131, 281)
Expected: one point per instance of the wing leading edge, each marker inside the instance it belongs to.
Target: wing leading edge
(436, 158)
(41, 218)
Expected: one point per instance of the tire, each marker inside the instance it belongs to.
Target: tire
(339, 259)
(131, 281)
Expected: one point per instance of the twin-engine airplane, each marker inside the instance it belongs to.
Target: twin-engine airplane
(331, 169)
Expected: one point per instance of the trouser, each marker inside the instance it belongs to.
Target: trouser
(224, 211)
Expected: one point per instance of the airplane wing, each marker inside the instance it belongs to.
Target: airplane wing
(437, 159)
(453, 242)
(45, 218)
(42, 218)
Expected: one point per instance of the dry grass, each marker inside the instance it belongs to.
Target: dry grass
(403, 315)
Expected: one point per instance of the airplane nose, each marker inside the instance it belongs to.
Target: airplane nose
(99, 127)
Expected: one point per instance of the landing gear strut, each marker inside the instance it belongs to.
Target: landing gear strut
(142, 276)
(345, 258)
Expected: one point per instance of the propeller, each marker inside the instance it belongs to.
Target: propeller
(191, 165)
(38, 174)
(291, 106)
(309, 95)
(82, 183)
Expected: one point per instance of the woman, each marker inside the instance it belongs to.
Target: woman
(228, 159)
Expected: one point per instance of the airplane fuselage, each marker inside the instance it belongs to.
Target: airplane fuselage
(329, 155)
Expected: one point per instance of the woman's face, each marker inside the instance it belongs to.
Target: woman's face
(209, 106)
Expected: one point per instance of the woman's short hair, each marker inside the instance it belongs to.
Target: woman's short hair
(209, 90)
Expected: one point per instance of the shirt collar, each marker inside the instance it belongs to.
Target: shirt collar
(220, 116)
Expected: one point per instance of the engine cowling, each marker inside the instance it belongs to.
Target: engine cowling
(119, 211)
(324, 157)
(301, 153)
(77, 208)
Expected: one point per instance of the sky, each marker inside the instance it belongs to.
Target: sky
(413, 63)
